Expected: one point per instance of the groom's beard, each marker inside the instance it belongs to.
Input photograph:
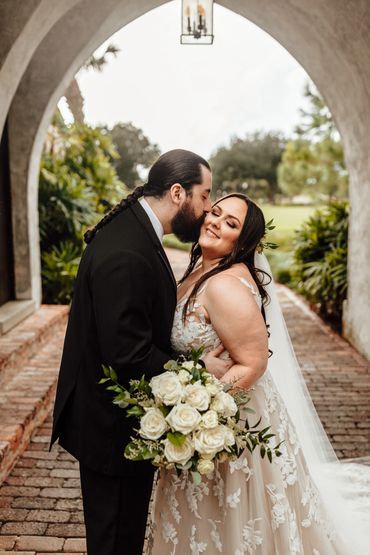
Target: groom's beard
(185, 225)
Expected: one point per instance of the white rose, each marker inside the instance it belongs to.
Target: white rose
(180, 455)
(229, 437)
(210, 442)
(167, 388)
(153, 424)
(212, 379)
(184, 376)
(183, 418)
(224, 404)
(212, 388)
(197, 396)
(210, 419)
(205, 466)
(214, 385)
(188, 364)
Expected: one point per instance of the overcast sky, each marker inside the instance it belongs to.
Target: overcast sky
(195, 97)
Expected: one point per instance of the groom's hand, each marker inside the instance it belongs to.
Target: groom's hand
(216, 365)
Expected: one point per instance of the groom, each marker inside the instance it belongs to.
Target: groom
(121, 315)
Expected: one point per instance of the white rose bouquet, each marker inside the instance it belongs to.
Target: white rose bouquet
(187, 419)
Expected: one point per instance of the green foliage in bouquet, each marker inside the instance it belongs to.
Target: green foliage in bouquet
(187, 419)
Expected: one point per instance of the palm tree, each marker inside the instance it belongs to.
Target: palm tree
(73, 94)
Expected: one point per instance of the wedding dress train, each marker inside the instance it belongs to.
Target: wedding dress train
(251, 506)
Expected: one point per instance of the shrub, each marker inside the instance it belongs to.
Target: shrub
(320, 260)
(77, 184)
(281, 259)
(66, 206)
(59, 269)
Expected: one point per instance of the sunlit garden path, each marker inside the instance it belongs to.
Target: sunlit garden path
(40, 504)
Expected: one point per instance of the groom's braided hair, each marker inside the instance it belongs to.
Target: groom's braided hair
(176, 166)
(252, 232)
(117, 209)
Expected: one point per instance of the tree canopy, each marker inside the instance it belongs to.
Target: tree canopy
(313, 163)
(249, 165)
(136, 152)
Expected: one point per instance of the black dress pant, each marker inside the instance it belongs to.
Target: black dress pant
(115, 510)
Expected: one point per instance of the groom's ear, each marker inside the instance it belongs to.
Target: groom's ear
(177, 194)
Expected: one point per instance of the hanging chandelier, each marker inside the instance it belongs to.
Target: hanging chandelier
(197, 22)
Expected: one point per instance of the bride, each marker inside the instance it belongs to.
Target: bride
(303, 502)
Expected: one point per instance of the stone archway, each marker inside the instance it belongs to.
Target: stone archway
(328, 37)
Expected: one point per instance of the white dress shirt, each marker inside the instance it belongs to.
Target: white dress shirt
(154, 220)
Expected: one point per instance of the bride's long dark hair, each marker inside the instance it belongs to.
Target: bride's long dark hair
(251, 234)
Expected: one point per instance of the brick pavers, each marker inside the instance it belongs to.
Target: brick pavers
(337, 376)
(40, 504)
(29, 362)
(24, 340)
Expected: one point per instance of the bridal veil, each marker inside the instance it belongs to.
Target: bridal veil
(344, 487)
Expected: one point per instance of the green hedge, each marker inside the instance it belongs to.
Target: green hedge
(320, 260)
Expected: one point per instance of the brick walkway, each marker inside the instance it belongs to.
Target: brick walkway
(29, 364)
(40, 505)
(41, 509)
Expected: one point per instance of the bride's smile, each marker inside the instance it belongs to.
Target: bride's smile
(211, 233)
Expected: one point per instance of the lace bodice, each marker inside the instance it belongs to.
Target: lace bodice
(197, 332)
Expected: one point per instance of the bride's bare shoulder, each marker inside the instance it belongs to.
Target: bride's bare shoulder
(229, 281)
(228, 276)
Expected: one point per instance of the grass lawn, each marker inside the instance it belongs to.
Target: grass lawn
(287, 218)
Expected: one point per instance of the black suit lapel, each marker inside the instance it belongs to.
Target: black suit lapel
(142, 216)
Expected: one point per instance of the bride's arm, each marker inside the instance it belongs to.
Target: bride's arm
(239, 324)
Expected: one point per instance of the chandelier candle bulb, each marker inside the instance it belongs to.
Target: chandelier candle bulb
(197, 22)
(201, 14)
(187, 13)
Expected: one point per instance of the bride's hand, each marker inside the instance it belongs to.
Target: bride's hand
(215, 365)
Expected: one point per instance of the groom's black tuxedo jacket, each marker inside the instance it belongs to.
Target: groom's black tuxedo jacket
(121, 315)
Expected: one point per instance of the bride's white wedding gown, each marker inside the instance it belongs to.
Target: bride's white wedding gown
(249, 506)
